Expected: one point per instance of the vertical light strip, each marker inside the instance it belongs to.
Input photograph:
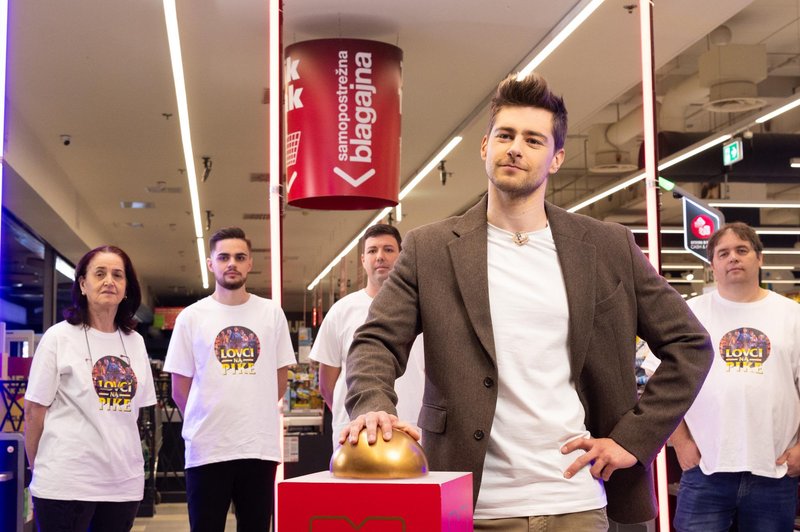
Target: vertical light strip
(562, 35)
(275, 170)
(173, 35)
(653, 236)
(275, 60)
(3, 65)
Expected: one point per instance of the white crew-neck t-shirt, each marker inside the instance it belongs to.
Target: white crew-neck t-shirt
(538, 409)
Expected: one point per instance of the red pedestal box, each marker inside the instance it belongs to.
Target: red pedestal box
(437, 502)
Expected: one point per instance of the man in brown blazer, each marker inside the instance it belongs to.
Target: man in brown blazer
(530, 317)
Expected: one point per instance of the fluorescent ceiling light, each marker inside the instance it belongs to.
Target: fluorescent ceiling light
(606, 193)
(403, 193)
(794, 162)
(755, 204)
(430, 166)
(136, 204)
(65, 269)
(560, 37)
(780, 281)
(779, 111)
(693, 152)
(173, 35)
(680, 267)
(348, 248)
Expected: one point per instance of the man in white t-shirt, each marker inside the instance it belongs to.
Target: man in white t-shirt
(229, 356)
(738, 445)
(380, 247)
(530, 315)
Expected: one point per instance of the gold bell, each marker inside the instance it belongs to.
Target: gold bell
(400, 457)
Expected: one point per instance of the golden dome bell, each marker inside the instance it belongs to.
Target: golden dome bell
(400, 457)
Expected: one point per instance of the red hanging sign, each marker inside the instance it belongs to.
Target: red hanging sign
(343, 124)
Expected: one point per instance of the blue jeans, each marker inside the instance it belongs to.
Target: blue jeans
(709, 503)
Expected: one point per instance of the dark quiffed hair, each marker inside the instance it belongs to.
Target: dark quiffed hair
(531, 91)
(381, 229)
(227, 233)
(78, 312)
(740, 229)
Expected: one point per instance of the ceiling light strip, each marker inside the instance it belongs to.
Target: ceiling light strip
(755, 204)
(779, 111)
(385, 212)
(173, 35)
(575, 18)
(444, 152)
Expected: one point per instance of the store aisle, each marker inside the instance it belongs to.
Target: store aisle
(172, 517)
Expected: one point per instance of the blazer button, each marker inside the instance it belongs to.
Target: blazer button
(478, 435)
(488, 382)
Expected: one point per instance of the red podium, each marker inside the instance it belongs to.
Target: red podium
(436, 502)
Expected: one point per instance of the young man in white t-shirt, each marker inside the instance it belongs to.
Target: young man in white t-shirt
(380, 247)
(229, 356)
(738, 444)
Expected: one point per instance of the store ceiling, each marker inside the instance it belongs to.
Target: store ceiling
(99, 72)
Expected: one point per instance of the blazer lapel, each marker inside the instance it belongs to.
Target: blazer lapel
(468, 256)
(577, 258)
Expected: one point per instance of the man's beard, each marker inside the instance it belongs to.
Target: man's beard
(232, 285)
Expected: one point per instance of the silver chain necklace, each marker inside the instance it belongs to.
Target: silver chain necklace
(90, 360)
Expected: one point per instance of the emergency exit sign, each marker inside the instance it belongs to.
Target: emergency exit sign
(732, 152)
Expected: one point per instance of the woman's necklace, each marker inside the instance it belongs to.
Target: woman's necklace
(89, 349)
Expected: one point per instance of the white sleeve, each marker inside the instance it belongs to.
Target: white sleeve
(284, 351)
(180, 358)
(146, 384)
(43, 378)
(327, 348)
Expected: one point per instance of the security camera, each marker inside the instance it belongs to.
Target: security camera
(66, 140)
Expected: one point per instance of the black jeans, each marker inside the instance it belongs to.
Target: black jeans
(79, 516)
(249, 484)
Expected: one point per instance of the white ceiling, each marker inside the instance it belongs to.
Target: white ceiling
(99, 71)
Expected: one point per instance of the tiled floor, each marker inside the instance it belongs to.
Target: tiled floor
(172, 517)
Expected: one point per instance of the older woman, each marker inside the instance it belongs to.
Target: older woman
(89, 378)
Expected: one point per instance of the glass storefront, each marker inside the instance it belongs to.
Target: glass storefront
(35, 282)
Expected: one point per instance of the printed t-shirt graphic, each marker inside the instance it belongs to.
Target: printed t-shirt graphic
(237, 348)
(114, 382)
(744, 349)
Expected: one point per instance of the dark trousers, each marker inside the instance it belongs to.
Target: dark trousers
(249, 484)
(79, 516)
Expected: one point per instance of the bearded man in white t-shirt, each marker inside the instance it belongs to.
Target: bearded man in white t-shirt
(229, 356)
(738, 445)
(530, 315)
(380, 247)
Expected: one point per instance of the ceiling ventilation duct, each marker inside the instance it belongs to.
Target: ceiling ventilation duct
(609, 144)
(731, 72)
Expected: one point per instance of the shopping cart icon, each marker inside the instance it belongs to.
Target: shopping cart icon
(292, 147)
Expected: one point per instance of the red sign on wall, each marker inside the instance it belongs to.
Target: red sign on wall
(343, 124)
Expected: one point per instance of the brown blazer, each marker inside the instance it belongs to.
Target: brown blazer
(440, 286)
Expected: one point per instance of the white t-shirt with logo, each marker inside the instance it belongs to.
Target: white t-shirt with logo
(748, 410)
(332, 345)
(93, 385)
(538, 409)
(232, 353)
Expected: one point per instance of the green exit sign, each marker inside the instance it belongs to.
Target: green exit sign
(732, 152)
